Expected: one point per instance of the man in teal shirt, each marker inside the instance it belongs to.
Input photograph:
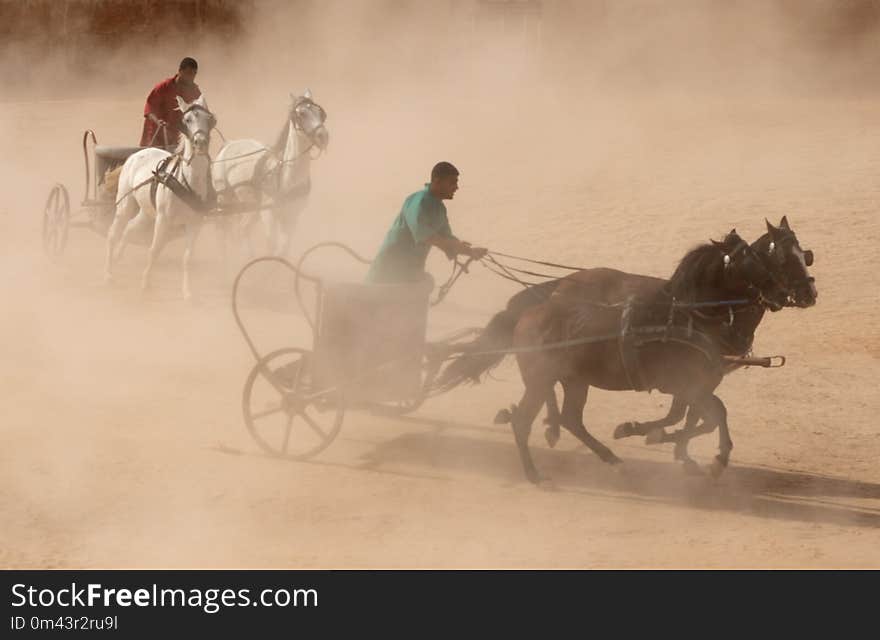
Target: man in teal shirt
(421, 224)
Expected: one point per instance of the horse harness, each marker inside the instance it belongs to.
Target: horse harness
(296, 191)
(165, 173)
(632, 337)
(262, 175)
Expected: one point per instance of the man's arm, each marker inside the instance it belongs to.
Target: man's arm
(153, 104)
(452, 246)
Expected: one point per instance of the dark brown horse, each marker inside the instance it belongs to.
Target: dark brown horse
(781, 253)
(652, 342)
(778, 249)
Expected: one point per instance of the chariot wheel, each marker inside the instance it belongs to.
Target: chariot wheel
(56, 221)
(283, 411)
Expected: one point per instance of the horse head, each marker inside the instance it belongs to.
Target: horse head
(780, 250)
(308, 116)
(196, 123)
(723, 270)
(744, 273)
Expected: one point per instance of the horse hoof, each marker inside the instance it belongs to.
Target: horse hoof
(655, 436)
(624, 430)
(505, 416)
(717, 468)
(540, 481)
(551, 434)
(534, 477)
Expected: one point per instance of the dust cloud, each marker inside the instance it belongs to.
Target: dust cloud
(601, 133)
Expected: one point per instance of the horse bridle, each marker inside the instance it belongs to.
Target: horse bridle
(756, 290)
(186, 132)
(778, 249)
(302, 101)
(307, 102)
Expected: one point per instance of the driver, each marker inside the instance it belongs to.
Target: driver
(420, 225)
(161, 109)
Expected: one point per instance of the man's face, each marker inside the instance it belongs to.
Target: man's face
(445, 187)
(187, 76)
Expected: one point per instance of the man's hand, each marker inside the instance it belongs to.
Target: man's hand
(453, 247)
(475, 253)
(158, 121)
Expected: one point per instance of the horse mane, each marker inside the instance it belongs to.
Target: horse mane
(694, 269)
(281, 141)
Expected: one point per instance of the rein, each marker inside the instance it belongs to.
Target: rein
(541, 262)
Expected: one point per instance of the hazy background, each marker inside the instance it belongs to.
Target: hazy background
(592, 133)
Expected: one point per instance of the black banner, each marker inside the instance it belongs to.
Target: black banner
(175, 603)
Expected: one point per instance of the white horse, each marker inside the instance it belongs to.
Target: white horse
(275, 180)
(136, 208)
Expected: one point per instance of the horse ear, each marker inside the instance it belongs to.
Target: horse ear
(308, 93)
(770, 228)
(201, 102)
(716, 243)
(784, 223)
(181, 103)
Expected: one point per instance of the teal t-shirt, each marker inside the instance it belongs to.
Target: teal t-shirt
(402, 256)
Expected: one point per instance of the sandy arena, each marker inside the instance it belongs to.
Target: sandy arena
(123, 441)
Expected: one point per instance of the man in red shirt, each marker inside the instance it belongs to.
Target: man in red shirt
(161, 107)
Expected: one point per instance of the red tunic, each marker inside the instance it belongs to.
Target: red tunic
(162, 103)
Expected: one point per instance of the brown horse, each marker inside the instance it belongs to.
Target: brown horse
(652, 342)
(778, 249)
(781, 253)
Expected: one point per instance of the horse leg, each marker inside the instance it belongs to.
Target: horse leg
(553, 420)
(676, 413)
(573, 402)
(270, 224)
(139, 224)
(125, 211)
(192, 234)
(287, 222)
(243, 227)
(521, 420)
(682, 437)
(160, 237)
(222, 228)
(725, 444)
(714, 415)
(242, 224)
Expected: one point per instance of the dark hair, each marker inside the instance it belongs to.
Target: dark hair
(443, 170)
(188, 63)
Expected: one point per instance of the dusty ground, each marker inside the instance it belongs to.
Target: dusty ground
(123, 443)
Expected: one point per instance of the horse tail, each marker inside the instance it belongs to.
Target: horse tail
(497, 336)
(470, 367)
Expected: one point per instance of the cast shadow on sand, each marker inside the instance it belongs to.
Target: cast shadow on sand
(753, 490)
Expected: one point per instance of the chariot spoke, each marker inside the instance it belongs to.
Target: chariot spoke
(314, 425)
(287, 433)
(298, 374)
(266, 412)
